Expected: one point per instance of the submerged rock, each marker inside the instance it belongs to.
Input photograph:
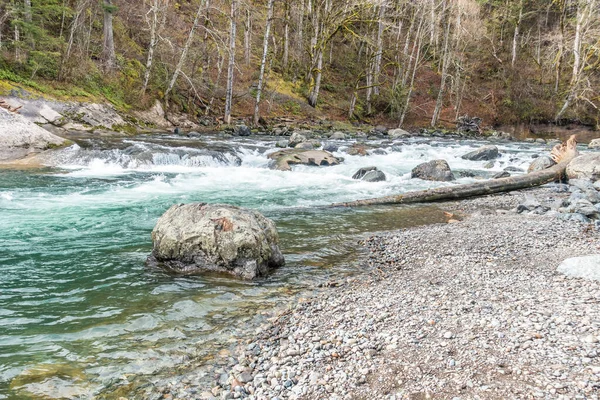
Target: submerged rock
(331, 147)
(482, 153)
(586, 166)
(197, 237)
(436, 170)
(357, 149)
(502, 174)
(284, 159)
(541, 163)
(369, 174)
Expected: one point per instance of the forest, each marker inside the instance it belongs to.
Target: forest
(407, 63)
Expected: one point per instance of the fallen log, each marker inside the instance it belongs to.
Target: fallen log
(562, 154)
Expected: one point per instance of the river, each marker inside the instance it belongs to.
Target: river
(80, 311)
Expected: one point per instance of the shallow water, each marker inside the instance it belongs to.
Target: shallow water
(79, 310)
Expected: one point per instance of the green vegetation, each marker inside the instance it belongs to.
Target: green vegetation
(421, 62)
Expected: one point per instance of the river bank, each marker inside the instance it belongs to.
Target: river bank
(470, 309)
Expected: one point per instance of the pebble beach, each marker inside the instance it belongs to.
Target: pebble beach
(472, 309)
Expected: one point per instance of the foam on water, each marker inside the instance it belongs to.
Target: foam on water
(74, 243)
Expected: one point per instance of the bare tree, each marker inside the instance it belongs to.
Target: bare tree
(586, 22)
(157, 8)
(445, 62)
(231, 66)
(184, 52)
(263, 61)
(108, 48)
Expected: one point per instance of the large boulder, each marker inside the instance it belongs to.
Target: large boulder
(436, 170)
(197, 237)
(587, 267)
(398, 133)
(369, 174)
(540, 163)
(20, 137)
(338, 135)
(482, 153)
(242, 130)
(284, 159)
(585, 166)
(296, 139)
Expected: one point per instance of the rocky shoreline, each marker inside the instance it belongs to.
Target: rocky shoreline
(468, 309)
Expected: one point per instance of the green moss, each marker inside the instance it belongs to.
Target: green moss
(125, 128)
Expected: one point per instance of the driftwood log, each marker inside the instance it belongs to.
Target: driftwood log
(562, 154)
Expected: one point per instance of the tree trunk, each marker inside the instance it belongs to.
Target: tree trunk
(108, 48)
(27, 11)
(516, 35)
(576, 61)
(263, 62)
(562, 153)
(231, 66)
(417, 47)
(247, 36)
(154, 30)
(445, 61)
(182, 57)
(286, 37)
(17, 44)
(314, 95)
(379, 48)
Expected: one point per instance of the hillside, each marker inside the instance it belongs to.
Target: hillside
(396, 62)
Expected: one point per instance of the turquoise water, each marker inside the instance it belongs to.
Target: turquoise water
(79, 310)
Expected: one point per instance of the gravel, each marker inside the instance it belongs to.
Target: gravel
(472, 309)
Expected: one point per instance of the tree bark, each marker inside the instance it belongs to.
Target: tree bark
(247, 36)
(27, 11)
(516, 35)
(286, 37)
(108, 49)
(562, 153)
(155, 28)
(231, 66)
(445, 61)
(379, 45)
(263, 61)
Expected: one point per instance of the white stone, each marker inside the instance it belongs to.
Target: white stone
(587, 267)
(594, 144)
(18, 136)
(49, 114)
(585, 166)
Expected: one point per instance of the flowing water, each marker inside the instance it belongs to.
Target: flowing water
(79, 311)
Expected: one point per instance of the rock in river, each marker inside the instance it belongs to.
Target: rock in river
(284, 159)
(191, 238)
(369, 174)
(482, 153)
(541, 163)
(20, 137)
(436, 170)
